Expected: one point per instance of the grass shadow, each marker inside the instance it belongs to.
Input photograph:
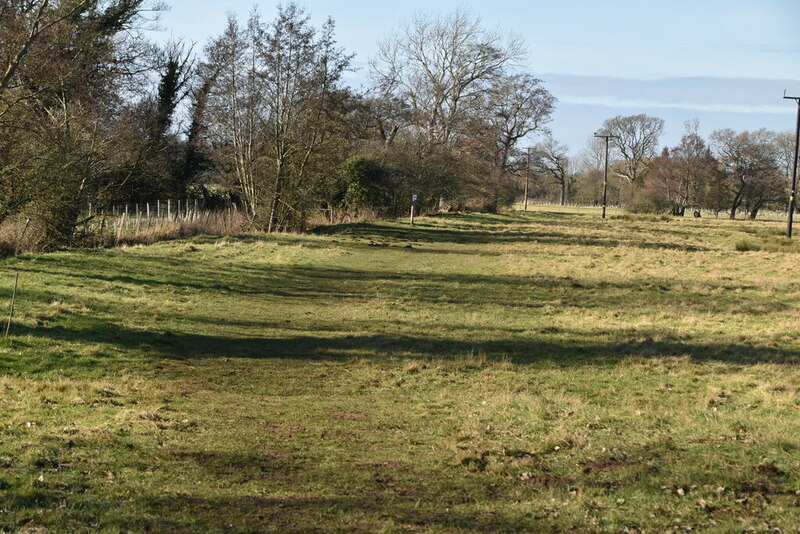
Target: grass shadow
(564, 348)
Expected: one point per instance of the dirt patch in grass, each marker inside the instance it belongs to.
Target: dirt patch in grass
(603, 466)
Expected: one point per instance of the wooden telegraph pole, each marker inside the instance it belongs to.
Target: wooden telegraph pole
(605, 173)
(794, 165)
(527, 177)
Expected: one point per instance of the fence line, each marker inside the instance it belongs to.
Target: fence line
(557, 204)
(149, 214)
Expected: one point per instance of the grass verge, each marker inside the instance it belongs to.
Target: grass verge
(526, 371)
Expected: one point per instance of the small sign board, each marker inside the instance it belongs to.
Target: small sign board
(413, 198)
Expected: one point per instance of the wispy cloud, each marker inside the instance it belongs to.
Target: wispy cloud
(614, 102)
(736, 103)
(701, 94)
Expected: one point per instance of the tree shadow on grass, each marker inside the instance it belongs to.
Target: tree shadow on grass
(564, 348)
(291, 514)
(511, 234)
(455, 291)
(467, 289)
(301, 496)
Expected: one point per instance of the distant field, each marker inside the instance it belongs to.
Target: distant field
(540, 371)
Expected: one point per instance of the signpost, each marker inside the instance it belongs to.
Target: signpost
(413, 199)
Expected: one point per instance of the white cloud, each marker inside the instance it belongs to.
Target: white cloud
(736, 103)
(615, 102)
(730, 95)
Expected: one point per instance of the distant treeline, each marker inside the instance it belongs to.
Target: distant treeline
(731, 172)
(94, 114)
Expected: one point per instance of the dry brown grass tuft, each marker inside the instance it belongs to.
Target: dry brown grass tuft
(19, 236)
(214, 223)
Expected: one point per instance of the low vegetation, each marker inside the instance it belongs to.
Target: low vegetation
(540, 371)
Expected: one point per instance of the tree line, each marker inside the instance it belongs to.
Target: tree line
(92, 113)
(730, 172)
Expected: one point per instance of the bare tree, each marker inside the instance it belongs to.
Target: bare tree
(593, 156)
(636, 140)
(390, 116)
(303, 69)
(520, 106)
(588, 181)
(551, 160)
(234, 107)
(270, 109)
(681, 173)
(748, 161)
(784, 145)
(442, 67)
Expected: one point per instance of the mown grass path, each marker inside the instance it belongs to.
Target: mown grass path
(540, 371)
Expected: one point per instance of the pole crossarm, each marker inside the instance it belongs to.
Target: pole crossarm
(794, 165)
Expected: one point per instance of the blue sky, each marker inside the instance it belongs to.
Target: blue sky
(724, 62)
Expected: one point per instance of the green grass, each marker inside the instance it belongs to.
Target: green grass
(540, 371)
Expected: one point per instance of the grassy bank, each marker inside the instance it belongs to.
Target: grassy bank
(541, 371)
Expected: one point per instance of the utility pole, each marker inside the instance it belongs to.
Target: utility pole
(605, 174)
(527, 176)
(794, 164)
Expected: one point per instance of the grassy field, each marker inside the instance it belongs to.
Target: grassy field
(541, 371)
